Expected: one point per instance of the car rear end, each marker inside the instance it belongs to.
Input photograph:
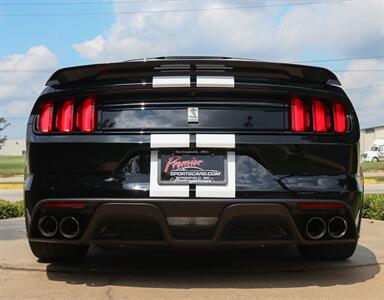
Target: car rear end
(185, 152)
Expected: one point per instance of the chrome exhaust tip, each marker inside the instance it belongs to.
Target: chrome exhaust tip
(69, 227)
(48, 226)
(337, 227)
(315, 228)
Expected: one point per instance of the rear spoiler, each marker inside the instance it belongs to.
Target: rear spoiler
(143, 70)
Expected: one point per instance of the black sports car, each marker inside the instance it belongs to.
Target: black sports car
(182, 152)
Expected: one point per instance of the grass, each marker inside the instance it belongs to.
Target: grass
(11, 165)
(10, 209)
(373, 206)
(373, 166)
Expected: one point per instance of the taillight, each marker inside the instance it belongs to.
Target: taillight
(297, 114)
(65, 123)
(46, 117)
(86, 116)
(320, 116)
(339, 118)
(67, 119)
(315, 115)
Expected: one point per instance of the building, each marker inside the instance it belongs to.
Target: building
(13, 148)
(368, 135)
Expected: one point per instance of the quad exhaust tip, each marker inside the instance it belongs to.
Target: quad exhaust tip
(315, 228)
(69, 227)
(48, 226)
(337, 227)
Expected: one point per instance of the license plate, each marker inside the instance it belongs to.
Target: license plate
(192, 167)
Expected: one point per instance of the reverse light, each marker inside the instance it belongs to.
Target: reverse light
(320, 205)
(65, 205)
(339, 118)
(46, 117)
(196, 221)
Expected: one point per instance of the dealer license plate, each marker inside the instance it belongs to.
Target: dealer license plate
(192, 167)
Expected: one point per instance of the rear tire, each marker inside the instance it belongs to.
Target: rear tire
(328, 252)
(58, 252)
(375, 159)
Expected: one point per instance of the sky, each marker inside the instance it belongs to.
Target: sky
(38, 37)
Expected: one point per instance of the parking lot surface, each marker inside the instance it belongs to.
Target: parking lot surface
(265, 273)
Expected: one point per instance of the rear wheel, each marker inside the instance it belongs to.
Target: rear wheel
(330, 251)
(375, 159)
(57, 252)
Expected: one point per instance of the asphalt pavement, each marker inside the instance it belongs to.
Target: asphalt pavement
(265, 273)
(374, 188)
(11, 179)
(374, 174)
(11, 194)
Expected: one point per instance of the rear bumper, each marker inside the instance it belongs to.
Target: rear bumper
(145, 223)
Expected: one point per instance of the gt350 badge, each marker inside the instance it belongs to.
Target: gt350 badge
(193, 114)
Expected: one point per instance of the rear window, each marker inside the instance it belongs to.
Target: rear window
(217, 117)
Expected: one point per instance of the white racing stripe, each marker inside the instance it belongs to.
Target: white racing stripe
(215, 140)
(156, 190)
(221, 191)
(215, 81)
(171, 81)
(169, 140)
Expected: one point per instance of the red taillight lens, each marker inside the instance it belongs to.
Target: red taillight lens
(339, 118)
(66, 119)
(46, 117)
(316, 115)
(65, 116)
(86, 116)
(320, 115)
(320, 205)
(65, 205)
(297, 115)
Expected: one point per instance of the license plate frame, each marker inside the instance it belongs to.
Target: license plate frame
(186, 167)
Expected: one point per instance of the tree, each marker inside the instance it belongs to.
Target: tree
(3, 124)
